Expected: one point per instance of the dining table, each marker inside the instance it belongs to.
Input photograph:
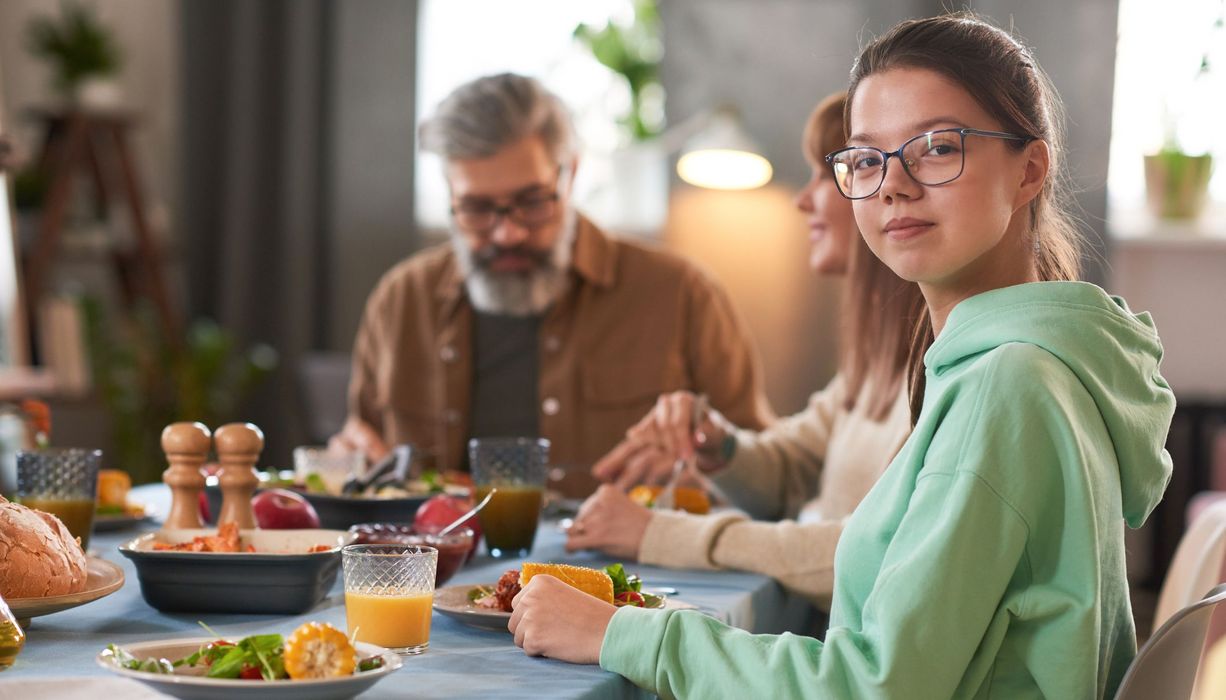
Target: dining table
(461, 662)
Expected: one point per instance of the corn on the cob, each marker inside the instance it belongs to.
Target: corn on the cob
(591, 581)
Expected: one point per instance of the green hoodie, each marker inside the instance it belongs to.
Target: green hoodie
(988, 561)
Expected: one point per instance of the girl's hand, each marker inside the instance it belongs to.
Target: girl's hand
(552, 619)
(610, 522)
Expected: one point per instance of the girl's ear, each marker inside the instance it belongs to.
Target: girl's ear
(1034, 173)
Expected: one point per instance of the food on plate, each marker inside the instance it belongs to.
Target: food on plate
(500, 597)
(593, 582)
(314, 650)
(453, 548)
(319, 650)
(612, 585)
(684, 498)
(442, 510)
(113, 488)
(226, 541)
(282, 509)
(38, 556)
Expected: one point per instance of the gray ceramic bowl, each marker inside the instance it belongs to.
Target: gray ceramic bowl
(280, 577)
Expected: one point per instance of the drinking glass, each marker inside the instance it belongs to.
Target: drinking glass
(332, 467)
(63, 482)
(389, 594)
(517, 468)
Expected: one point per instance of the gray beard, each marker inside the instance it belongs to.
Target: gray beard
(519, 293)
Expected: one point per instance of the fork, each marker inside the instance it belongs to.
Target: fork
(667, 499)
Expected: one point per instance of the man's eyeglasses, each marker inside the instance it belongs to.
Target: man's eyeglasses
(529, 210)
(932, 158)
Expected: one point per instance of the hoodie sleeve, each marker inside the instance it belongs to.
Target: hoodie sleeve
(917, 638)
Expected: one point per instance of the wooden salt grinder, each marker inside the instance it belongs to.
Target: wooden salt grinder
(238, 449)
(186, 446)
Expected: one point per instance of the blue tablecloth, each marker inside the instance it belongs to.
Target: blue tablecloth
(462, 662)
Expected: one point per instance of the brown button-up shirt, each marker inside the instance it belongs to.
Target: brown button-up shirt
(634, 323)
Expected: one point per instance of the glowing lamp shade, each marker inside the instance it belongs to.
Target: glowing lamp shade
(721, 156)
(724, 169)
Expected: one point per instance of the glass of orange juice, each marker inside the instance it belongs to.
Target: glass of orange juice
(517, 468)
(63, 482)
(389, 594)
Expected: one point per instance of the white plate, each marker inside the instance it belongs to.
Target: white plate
(453, 602)
(191, 684)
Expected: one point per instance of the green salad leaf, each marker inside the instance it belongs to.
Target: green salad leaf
(130, 662)
(622, 581)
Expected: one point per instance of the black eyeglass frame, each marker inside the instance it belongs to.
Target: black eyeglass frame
(897, 153)
(509, 210)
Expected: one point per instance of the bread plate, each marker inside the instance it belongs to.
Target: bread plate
(102, 579)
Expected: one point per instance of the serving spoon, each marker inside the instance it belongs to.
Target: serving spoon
(464, 518)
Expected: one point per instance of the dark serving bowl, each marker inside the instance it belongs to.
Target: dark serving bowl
(281, 577)
(341, 512)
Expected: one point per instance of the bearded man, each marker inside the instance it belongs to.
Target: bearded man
(530, 321)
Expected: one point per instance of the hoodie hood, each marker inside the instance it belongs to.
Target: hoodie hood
(1114, 352)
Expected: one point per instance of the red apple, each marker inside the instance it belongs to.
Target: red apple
(442, 510)
(280, 509)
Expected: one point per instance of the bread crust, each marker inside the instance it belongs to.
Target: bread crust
(38, 556)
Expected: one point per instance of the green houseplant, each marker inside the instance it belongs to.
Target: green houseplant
(78, 47)
(633, 51)
(147, 382)
(1177, 180)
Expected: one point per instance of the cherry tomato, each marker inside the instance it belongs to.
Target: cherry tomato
(251, 673)
(631, 598)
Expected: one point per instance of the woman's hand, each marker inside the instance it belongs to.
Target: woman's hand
(552, 619)
(663, 436)
(610, 522)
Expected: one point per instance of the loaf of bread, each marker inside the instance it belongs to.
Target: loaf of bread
(38, 556)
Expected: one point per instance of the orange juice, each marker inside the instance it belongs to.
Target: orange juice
(77, 514)
(398, 622)
(510, 518)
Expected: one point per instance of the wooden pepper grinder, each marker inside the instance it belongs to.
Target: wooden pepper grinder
(186, 446)
(238, 449)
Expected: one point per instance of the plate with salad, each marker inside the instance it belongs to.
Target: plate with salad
(315, 662)
(488, 606)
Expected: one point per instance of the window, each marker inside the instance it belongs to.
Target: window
(1160, 91)
(459, 40)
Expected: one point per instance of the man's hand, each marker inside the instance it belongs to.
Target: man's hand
(358, 436)
(552, 619)
(610, 522)
(662, 437)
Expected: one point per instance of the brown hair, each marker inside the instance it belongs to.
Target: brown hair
(1002, 76)
(879, 307)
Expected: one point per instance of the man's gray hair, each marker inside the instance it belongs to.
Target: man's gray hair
(482, 117)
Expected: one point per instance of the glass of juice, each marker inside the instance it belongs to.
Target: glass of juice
(517, 468)
(63, 482)
(389, 594)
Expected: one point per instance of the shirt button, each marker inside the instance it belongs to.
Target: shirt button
(452, 416)
(550, 406)
(552, 344)
(447, 354)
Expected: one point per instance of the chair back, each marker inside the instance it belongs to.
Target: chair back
(1166, 666)
(1196, 565)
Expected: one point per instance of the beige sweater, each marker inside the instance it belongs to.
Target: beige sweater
(812, 468)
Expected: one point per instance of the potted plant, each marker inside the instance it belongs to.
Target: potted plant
(634, 196)
(1177, 177)
(83, 54)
